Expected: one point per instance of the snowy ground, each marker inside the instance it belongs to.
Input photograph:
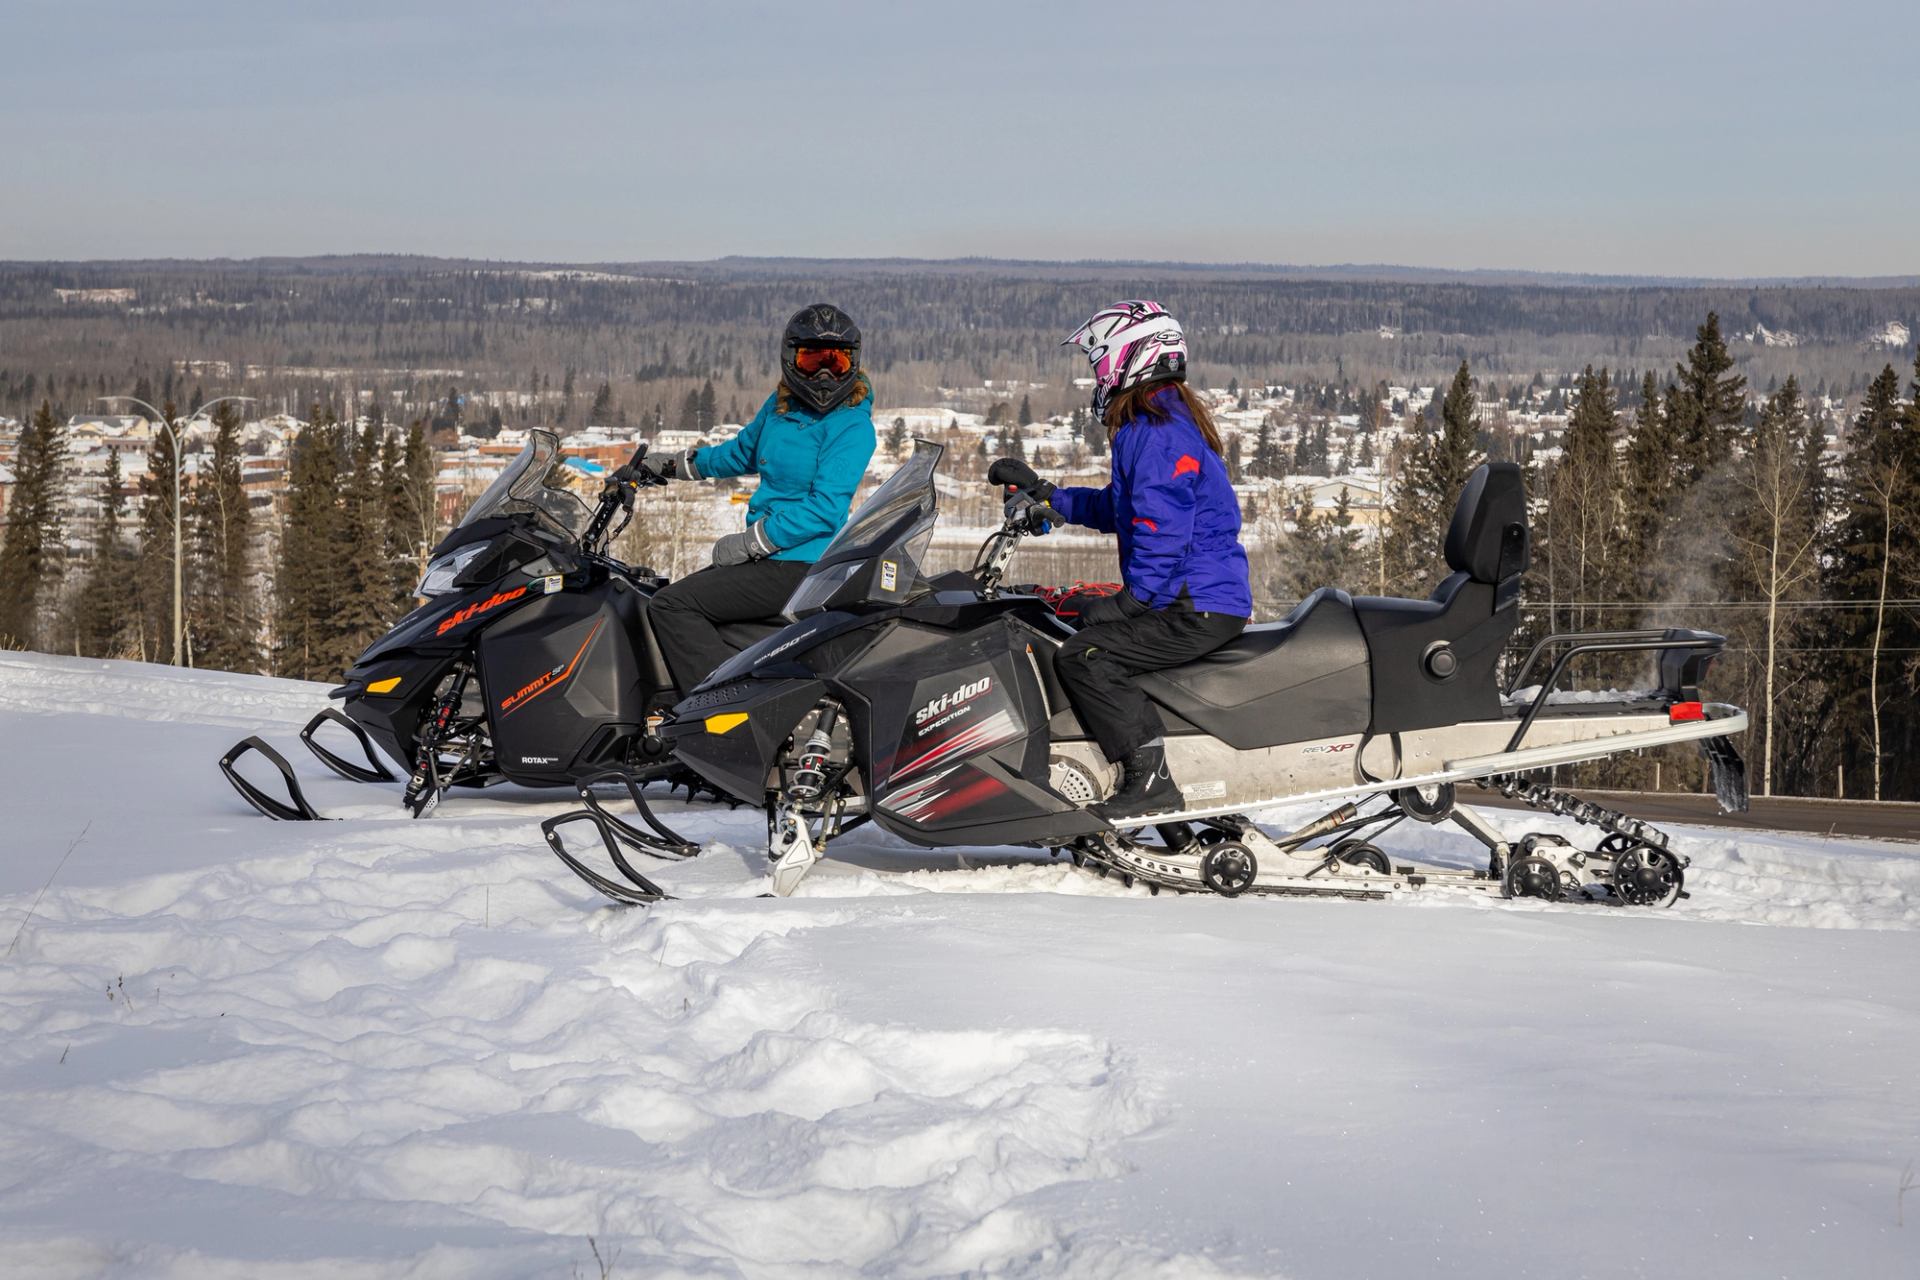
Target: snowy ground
(230, 1047)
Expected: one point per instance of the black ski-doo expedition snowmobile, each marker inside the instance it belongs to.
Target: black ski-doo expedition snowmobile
(930, 707)
(531, 660)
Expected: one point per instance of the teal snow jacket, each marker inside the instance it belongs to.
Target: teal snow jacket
(809, 466)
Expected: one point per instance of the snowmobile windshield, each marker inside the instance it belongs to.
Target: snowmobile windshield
(537, 483)
(877, 558)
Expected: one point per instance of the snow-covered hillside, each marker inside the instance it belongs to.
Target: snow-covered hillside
(376, 1047)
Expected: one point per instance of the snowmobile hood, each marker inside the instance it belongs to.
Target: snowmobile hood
(777, 656)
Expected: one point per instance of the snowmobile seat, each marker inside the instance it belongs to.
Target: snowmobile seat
(739, 635)
(1433, 660)
(1301, 678)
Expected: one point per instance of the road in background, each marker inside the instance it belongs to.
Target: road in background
(1775, 813)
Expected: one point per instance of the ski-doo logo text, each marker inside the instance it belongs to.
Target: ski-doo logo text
(952, 701)
(493, 601)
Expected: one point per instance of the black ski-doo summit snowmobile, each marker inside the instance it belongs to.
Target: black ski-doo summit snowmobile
(531, 660)
(931, 708)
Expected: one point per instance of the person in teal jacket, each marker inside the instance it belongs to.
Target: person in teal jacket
(809, 444)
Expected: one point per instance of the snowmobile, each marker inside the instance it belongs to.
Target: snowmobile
(929, 706)
(531, 659)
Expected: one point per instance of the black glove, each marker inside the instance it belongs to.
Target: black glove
(1113, 608)
(1016, 474)
(1030, 514)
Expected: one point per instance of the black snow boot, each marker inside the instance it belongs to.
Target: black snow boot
(1145, 787)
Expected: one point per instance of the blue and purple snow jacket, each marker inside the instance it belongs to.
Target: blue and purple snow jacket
(1173, 508)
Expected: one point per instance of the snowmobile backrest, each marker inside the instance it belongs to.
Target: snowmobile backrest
(1488, 538)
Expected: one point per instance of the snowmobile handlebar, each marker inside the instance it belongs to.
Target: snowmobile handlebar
(618, 494)
(1024, 516)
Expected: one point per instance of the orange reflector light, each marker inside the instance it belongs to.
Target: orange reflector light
(1686, 711)
(384, 686)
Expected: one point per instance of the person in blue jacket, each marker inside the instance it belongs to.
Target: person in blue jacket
(809, 444)
(1171, 505)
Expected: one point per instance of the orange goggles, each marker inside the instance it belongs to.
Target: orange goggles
(811, 360)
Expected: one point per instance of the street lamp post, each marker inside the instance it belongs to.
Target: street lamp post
(179, 461)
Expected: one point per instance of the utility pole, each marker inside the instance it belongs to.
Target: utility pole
(179, 461)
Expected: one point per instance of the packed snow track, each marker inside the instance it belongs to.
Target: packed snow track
(379, 1047)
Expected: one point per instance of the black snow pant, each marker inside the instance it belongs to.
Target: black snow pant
(687, 614)
(1097, 667)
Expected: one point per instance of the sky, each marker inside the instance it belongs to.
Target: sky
(1676, 138)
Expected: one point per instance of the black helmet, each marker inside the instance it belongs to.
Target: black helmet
(817, 326)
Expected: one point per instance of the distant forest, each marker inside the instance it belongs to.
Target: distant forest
(654, 331)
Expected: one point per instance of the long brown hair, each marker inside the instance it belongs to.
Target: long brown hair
(1144, 402)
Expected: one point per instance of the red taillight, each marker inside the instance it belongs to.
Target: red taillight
(1686, 711)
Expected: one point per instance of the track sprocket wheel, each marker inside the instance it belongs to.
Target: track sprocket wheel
(1644, 876)
(1229, 868)
(1359, 853)
(1430, 804)
(1532, 876)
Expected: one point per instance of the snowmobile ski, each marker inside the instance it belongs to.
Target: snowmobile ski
(293, 809)
(657, 839)
(638, 891)
(371, 771)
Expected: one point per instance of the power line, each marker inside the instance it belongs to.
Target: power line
(1721, 604)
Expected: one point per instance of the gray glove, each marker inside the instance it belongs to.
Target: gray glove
(749, 544)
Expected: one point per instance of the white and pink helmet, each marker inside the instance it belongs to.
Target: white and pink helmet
(1131, 343)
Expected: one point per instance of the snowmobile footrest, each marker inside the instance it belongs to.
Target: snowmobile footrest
(372, 771)
(638, 892)
(293, 809)
(659, 839)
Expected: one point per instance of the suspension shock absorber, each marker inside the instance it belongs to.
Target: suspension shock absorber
(426, 764)
(810, 770)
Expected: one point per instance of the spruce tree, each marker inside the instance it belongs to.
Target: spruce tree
(32, 549)
(1705, 405)
(1873, 563)
(1649, 468)
(366, 605)
(307, 583)
(1574, 552)
(101, 614)
(225, 616)
(1430, 481)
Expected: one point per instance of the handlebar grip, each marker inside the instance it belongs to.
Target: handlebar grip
(639, 452)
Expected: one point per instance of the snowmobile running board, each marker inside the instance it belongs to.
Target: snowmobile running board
(1525, 760)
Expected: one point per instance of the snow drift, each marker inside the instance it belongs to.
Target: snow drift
(389, 1048)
